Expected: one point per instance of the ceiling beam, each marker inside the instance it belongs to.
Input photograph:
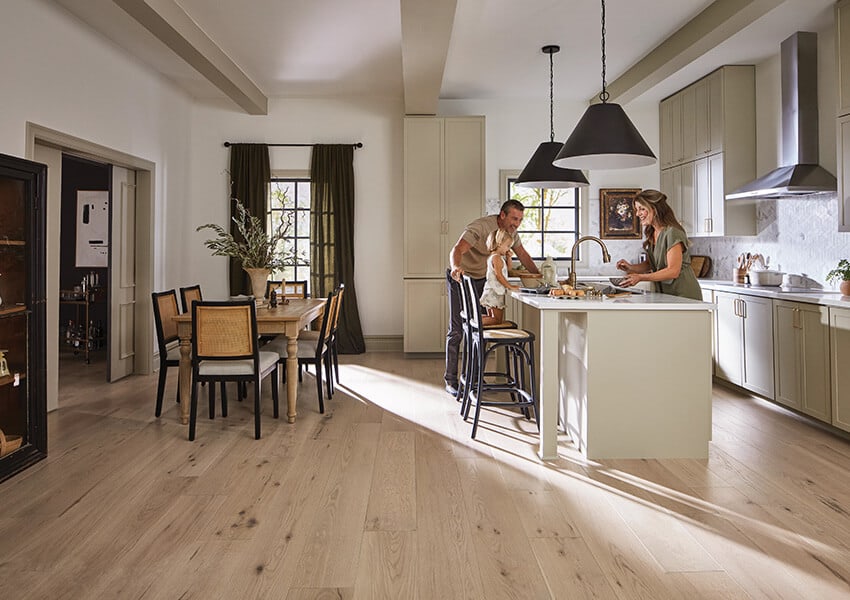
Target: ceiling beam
(714, 25)
(426, 28)
(169, 23)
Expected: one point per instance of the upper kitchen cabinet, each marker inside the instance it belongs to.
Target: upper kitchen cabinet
(842, 55)
(443, 188)
(708, 133)
(842, 61)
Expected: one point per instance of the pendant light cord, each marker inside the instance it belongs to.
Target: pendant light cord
(604, 94)
(551, 102)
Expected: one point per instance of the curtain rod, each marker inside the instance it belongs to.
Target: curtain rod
(356, 145)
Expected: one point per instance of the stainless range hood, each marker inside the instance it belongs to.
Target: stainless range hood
(801, 175)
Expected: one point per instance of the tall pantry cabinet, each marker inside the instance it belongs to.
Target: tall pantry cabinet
(842, 61)
(443, 192)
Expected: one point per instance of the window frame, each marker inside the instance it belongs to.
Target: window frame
(505, 177)
(296, 176)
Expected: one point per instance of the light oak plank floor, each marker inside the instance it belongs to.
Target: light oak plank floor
(385, 496)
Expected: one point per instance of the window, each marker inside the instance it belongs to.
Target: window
(289, 198)
(551, 221)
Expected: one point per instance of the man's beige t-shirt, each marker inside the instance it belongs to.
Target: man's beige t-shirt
(474, 261)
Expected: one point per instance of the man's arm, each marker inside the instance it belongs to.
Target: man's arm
(525, 259)
(458, 250)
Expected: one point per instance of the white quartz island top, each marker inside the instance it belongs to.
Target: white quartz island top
(628, 376)
(823, 297)
(646, 301)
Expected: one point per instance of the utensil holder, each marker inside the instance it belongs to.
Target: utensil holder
(739, 275)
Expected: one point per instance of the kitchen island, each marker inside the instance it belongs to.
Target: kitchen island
(630, 376)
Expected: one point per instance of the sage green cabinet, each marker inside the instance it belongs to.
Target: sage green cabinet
(801, 357)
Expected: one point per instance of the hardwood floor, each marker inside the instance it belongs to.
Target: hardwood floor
(385, 496)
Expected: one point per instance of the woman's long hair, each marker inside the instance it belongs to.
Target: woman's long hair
(663, 214)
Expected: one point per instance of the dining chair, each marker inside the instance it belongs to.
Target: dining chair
(312, 351)
(312, 334)
(291, 289)
(164, 308)
(188, 294)
(225, 347)
(518, 381)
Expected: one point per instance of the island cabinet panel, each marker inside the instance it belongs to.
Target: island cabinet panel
(707, 131)
(801, 357)
(744, 342)
(443, 192)
(23, 371)
(839, 320)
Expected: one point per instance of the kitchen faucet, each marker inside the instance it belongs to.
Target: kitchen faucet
(605, 256)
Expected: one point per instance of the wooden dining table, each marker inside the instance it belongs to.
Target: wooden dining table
(285, 319)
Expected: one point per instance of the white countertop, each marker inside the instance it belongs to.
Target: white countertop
(821, 297)
(647, 301)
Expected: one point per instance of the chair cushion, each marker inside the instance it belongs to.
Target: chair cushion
(238, 367)
(306, 348)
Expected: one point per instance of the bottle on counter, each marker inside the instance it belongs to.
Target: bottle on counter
(549, 272)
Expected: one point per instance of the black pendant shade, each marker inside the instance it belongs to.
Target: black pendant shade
(604, 138)
(541, 173)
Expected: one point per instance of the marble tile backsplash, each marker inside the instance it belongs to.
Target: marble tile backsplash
(800, 235)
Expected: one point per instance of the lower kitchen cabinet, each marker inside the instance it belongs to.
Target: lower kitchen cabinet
(839, 320)
(425, 315)
(801, 357)
(744, 341)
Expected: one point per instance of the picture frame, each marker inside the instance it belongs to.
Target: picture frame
(617, 217)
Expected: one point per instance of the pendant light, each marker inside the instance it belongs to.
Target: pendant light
(604, 138)
(540, 172)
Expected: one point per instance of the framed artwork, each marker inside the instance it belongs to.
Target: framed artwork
(617, 218)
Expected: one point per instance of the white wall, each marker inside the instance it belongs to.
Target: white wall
(56, 73)
(378, 173)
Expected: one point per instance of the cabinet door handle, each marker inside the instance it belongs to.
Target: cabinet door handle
(710, 225)
(736, 308)
(743, 309)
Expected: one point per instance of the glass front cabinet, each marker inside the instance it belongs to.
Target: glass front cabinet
(23, 404)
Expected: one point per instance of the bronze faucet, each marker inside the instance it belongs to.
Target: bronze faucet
(605, 256)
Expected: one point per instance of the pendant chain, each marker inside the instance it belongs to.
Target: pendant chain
(604, 94)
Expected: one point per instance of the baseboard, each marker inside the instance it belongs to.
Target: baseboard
(384, 343)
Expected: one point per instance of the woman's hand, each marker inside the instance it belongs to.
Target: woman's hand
(631, 279)
(624, 265)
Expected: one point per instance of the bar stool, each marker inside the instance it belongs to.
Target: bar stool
(480, 344)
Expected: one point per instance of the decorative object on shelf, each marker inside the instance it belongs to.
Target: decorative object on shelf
(617, 217)
(540, 173)
(841, 273)
(4, 366)
(604, 137)
(257, 250)
(9, 443)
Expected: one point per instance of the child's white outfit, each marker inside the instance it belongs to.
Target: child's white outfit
(494, 292)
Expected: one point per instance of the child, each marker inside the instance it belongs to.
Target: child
(499, 244)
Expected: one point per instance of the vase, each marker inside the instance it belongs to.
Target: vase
(845, 287)
(258, 282)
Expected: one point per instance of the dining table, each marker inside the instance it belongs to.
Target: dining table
(287, 319)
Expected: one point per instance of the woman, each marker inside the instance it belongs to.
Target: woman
(668, 262)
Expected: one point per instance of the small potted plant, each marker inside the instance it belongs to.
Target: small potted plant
(257, 250)
(841, 273)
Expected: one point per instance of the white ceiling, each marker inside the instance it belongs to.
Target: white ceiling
(308, 48)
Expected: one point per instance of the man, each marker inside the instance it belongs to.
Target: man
(469, 256)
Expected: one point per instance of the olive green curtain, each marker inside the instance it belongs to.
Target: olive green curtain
(332, 237)
(250, 177)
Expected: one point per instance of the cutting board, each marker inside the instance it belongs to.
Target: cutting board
(701, 265)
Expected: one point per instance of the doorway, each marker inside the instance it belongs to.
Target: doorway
(47, 146)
